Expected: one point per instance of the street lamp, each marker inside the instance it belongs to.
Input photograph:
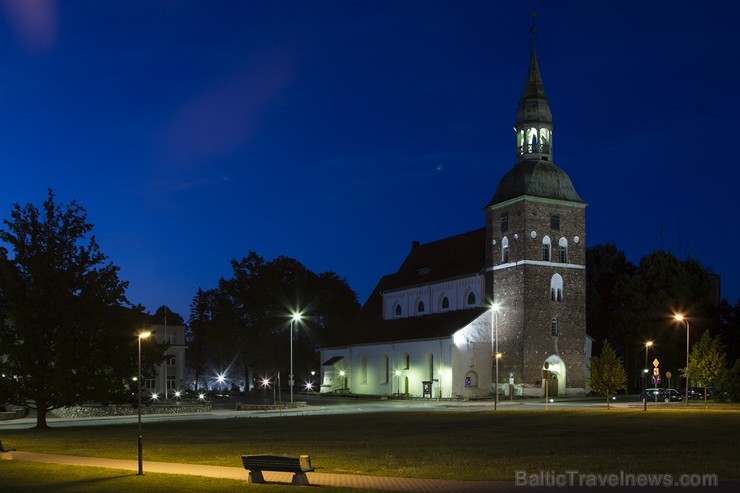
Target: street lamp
(645, 371)
(680, 318)
(295, 318)
(142, 335)
(494, 346)
(398, 382)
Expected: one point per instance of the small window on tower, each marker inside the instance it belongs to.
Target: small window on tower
(504, 222)
(555, 222)
(554, 326)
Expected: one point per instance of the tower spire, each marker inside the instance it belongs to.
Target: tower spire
(533, 117)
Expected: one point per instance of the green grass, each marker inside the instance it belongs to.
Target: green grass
(472, 445)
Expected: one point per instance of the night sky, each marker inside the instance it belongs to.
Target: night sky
(337, 132)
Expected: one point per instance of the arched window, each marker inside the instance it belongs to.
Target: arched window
(505, 250)
(445, 303)
(398, 311)
(546, 249)
(563, 247)
(556, 288)
(420, 307)
(471, 298)
(554, 326)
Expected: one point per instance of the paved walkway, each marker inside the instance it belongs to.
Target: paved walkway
(349, 480)
(322, 479)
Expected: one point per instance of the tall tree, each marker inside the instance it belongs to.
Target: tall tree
(60, 295)
(707, 362)
(607, 373)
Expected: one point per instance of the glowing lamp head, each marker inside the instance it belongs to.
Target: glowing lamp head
(679, 317)
(648, 343)
(296, 317)
(177, 394)
(145, 334)
(221, 378)
(498, 355)
(398, 373)
(201, 397)
(342, 373)
(495, 307)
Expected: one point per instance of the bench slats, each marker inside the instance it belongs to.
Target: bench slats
(277, 463)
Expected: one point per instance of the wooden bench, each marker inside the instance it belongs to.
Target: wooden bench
(299, 466)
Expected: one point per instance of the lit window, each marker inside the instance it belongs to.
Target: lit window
(554, 326)
(556, 288)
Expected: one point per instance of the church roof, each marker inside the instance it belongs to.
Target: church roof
(534, 106)
(448, 258)
(537, 178)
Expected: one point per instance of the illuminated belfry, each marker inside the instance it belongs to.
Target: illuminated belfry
(533, 117)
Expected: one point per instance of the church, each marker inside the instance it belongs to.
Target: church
(501, 308)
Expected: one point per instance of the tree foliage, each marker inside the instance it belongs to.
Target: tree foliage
(707, 362)
(65, 337)
(634, 304)
(607, 374)
(243, 325)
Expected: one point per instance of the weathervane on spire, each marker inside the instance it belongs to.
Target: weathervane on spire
(533, 28)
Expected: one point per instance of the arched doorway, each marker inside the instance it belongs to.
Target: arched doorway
(556, 382)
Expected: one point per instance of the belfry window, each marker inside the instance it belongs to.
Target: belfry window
(554, 326)
(504, 222)
(556, 288)
(554, 222)
(546, 249)
(505, 250)
(563, 251)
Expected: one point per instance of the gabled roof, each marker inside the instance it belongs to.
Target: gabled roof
(449, 258)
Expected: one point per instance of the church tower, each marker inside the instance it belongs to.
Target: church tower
(536, 257)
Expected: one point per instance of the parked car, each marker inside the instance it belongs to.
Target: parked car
(660, 395)
(696, 393)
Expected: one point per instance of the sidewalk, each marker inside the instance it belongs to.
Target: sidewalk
(321, 479)
(350, 480)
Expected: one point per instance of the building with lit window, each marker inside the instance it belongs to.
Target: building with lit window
(170, 374)
(430, 329)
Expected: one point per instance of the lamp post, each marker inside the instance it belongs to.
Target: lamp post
(680, 318)
(494, 346)
(295, 318)
(398, 382)
(142, 335)
(645, 372)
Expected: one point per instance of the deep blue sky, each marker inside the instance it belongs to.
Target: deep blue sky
(336, 132)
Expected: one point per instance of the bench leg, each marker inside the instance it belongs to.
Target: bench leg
(300, 478)
(255, 477)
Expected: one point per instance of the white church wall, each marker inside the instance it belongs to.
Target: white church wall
(471, 358)
(457, 292)
(390, 368)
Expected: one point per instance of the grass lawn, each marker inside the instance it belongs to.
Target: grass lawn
(483, 445)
